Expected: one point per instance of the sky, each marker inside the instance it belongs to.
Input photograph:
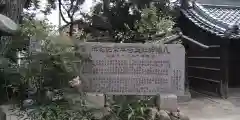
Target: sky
(54, 16)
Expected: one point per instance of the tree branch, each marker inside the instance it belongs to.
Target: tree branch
(71, 5)
(73, 22)
(69, 10)
(60, 10)
(75, 7)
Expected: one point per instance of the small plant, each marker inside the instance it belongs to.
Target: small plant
(136, 110)
(60, 110)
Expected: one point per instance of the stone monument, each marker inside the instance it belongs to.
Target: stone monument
(7, 26)
(134, 69)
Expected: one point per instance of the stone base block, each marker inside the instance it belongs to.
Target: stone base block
(167, 102)
(184, 98)
(95, 99)
(92, 99)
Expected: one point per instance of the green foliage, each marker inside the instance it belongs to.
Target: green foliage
(52, 67)
(153, 22)
(60, 111)
(134, 110)
(128, 19)
(63, 48)
(35, 5)
(38, 28)
(133, 18)
(64, 110)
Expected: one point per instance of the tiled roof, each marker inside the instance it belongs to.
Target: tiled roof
(220, 2)
(217, 19)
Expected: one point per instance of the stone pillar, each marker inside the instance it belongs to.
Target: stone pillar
(3, 115)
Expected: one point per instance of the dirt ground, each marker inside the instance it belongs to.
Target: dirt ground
(203, 107)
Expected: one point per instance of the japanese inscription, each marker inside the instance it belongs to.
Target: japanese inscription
(134, 69)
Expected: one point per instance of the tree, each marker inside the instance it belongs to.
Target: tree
(128, 17)
(114, 16)
(48, 68)
(69, 10)
(70, 7)
(154, 22)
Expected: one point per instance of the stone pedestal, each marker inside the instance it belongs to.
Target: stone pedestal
(184, 98)
(167, 102)
(93, 100)
(97, 100)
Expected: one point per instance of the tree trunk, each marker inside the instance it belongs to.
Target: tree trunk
(71, 27)
(13, 10)
(106, 4)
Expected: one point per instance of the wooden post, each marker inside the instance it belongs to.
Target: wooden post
(225, 68)
(186, 70)
(105, 100)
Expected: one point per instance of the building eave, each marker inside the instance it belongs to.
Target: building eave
(202, 16)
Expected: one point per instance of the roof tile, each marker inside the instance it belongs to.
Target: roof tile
(214, 18)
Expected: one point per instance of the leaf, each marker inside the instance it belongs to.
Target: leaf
(142, 111)
(130, 116)
(44, 114)
(140, 118)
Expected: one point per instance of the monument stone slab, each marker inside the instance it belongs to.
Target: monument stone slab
(134, 69)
